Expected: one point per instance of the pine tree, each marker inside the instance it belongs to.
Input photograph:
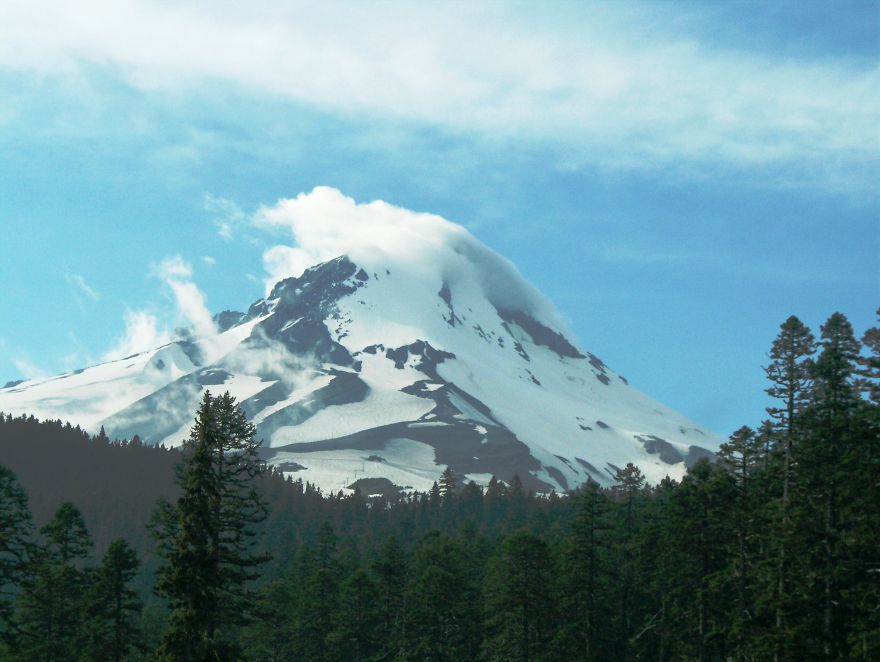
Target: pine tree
(113, 607)
(318, 599)
(628, 488)
(584, 573)
(789, 373)
(830, 456)
(206, 537)
(49, 611)
(389, 568)
(442, 615)
(16, 548)
(356, 636)
(739, 456)
(519, 601)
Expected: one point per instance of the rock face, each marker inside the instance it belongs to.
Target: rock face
(382, 374)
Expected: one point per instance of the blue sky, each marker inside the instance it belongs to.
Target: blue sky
(677, 177)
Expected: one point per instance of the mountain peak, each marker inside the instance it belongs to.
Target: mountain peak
(391, 358)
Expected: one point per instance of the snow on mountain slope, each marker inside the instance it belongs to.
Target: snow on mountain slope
(404, 346)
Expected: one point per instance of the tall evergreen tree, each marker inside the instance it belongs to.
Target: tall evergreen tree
(789, 374)
(519, 601)
(442, 615)
(49, 611)
(584, 575)
(628, 490)
(205, 538)
(829, 457)
(16, 547)
(111, 629)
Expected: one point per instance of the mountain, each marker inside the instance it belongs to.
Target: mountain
(380, 369)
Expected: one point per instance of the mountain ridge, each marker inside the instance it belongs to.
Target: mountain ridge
(355, 373)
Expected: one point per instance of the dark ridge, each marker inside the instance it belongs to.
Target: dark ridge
(457, 445)
(314, 292)
(13, 383)
(430, 358)
(227, 319)
(446, 294)
(565, 460)
(290, 466)
(589, 467)
(695, 454)
(374, 486)
(557, 475)
(265, 398)
(212, 377)
(521, 351)
(446, 410)
(597, 363)
(602, 377)
(659, 446)
(603, 425)
(176, 402)
(612, 469)
(540, 334)
(345, 388)
(623, 379)
(192, 351)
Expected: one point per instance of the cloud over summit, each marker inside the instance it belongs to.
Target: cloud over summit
(325, 224)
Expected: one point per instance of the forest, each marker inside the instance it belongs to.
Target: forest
(114, 550)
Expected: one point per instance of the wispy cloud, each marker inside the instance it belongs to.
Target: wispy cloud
(208, 260)
(176, 273)
(607, 87)
(82, 286)
(28, 369)
(226, 215)
(142, 333)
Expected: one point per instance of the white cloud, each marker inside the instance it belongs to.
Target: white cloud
(608, 86)
(176, 274)
(325, 224)
(172, 267)
(80, 283)
(29, 370)
(210, 261)
(142, 333)
(226, 215)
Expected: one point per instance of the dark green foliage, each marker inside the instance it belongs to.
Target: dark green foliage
(111, 629)
(518, 597)
(442, 616)
(49, 612)
(769, 553)
(16, 547)
(205, 537)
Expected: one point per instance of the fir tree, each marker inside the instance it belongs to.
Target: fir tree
(50, 610)
(519, 601)
(111, 629)
(205, 538)
(584, 574)
(789, 374)
(16, 547)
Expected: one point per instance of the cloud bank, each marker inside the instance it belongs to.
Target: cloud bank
(603, 83)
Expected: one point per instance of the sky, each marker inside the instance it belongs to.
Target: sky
(678, 178)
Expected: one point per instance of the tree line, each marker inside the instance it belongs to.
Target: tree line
(771, 552)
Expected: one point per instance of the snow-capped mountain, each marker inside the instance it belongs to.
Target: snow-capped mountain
(368, 369)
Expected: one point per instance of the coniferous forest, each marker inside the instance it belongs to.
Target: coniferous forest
(114, 550)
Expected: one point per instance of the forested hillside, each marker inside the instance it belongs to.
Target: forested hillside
(771, 552)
